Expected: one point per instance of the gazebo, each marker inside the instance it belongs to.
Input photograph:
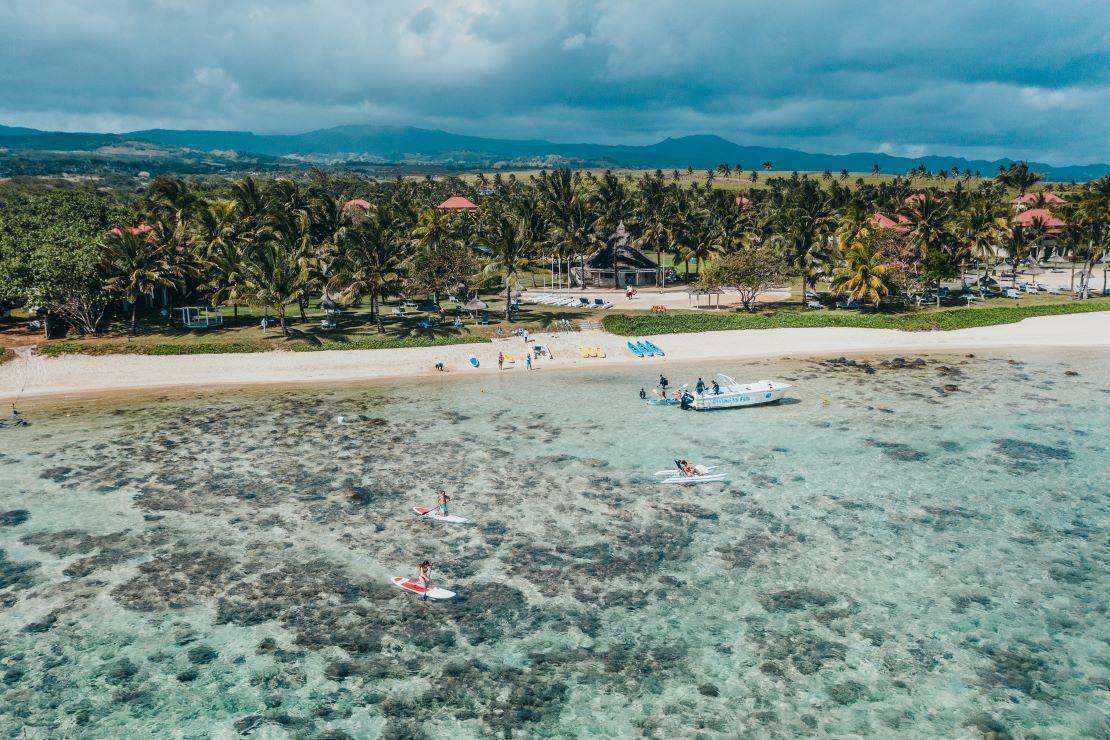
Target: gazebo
(457, 203)
(618, 265)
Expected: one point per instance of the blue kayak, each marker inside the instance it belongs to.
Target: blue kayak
(654, 349)
(644, 349)
(634, 349)
(473, 361)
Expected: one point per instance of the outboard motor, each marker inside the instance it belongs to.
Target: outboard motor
(687, 400)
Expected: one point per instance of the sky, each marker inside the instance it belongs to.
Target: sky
(978, 78)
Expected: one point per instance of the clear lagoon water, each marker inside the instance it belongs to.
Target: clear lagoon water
(888, 558)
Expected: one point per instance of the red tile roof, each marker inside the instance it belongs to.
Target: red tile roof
(457, 202)
(1031, 198)
(915, 197)
(879, 221)
(357, 203)
(742, 201)
(133, 230)
(1026, 218)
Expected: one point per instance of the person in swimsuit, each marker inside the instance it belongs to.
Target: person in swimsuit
(663, 383)
(700, 387)
(687, 468)
(443, 499)
(424, 575)
(643, 394)
(716, 388)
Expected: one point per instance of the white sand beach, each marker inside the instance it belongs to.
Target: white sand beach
(77, 375)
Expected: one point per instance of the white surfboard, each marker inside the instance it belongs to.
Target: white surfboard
(413, 587)
(433, 514)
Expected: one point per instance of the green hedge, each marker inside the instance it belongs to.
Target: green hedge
(134, 348)
(958, 318)
(387, 342)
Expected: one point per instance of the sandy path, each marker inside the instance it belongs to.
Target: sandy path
(80, 375)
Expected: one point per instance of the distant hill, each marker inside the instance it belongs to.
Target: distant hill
(407, 145)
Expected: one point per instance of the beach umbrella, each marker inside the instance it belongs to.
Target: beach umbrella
(475, 305)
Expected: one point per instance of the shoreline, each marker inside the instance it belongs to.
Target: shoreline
(79, 376)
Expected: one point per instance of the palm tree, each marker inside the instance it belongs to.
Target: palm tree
(862, 273)
(1018, 175)
(432, 233)
(876, 169)
(134, 265)
(510, 233)
(273, 274)
(223, 254)
(984, 227)
(806, 217)
(1022, 241)
(767, 164)
(366, 264)
(929, 226)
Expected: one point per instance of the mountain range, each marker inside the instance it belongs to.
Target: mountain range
(415, 146)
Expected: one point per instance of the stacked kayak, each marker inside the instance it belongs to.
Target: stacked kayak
(644, 348)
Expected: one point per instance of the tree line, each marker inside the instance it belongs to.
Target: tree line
(78, 255)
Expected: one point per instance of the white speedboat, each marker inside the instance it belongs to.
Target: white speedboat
(734, 395)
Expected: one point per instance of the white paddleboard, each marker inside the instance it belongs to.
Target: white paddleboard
(684, 480)
(411, 585)
(427, 513)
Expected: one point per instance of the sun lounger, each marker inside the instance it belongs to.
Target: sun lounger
(584, 302)
(602, 303)
(814, 304)
(400, 312)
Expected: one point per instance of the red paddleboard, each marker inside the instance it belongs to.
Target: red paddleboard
(414, 587)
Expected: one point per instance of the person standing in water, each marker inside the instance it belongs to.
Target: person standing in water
(643, 394)
(663, 384)
(700, 387)
(442, 503)
(500, 360)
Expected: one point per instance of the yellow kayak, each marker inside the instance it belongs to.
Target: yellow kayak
(508, 357)
(593, 351)
(582, 351)
(600, 352)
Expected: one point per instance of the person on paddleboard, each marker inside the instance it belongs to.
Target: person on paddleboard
(442, 503)
(424, 575)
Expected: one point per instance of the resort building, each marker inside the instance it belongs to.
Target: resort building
(617, 265)
(1036, 200)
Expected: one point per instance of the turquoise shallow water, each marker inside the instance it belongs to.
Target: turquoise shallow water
(887, 559)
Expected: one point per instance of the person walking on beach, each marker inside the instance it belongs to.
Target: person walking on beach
(663, 384)
(500, 360)
(524, 333)
(528, 360)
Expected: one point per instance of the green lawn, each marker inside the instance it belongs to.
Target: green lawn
(945, 319)
(354, 330)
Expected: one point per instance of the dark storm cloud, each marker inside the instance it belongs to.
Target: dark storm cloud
(977, 77)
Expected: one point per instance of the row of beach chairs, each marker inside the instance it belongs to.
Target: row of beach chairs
(552, 299)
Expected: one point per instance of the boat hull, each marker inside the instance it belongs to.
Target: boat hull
(734, 399)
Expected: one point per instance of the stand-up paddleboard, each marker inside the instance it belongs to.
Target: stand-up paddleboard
(472, 360)
(663, 402)
(427, 513)
(583, 352)
(413, 587)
